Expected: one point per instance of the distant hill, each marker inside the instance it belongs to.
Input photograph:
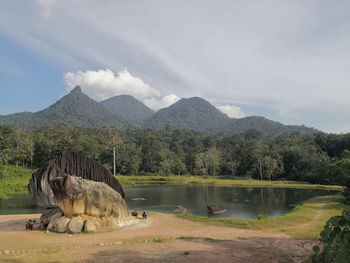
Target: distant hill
(128, 108)
(265, 126)
(75, 108)
(189, 114)
(195, 113)
(198, 114)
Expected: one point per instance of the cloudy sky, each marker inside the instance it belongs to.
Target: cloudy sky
(286, 60)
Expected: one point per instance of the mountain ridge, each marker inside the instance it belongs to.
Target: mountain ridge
(196, 113)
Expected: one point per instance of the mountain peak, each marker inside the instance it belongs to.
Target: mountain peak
(76, 90)
(128, 107)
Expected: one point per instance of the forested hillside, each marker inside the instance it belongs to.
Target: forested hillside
(75, 108)
(195, 114)
(318, 158)
(128, 108)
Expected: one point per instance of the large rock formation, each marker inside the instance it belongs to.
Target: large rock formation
(87, 195)
(76, 196)
(68, 163)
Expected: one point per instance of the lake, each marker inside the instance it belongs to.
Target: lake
(240, 202)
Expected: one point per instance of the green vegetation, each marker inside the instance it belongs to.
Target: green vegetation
(133, 181)
(336, 236)
(195, 113)
(304, 221)
(14, 181)
(318, 159)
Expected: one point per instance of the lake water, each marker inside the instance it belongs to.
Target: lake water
(240, 202)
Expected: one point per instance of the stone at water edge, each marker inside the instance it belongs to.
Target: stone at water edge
(62, 224)
(215, 209)
(180, 209)
(76, 225)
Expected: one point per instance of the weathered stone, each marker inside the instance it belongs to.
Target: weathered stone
(68, 163)
(52, 224)
(76, 225)
(90, 226)
(215, 209)
(62, 224)
(180, 209)
(76, 196)
(47, 216)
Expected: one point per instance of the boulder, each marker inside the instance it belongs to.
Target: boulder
(76, 196)
(76, 225)
(61, 225)
(52, 224)
(90, 226)
(180, 209)
(48, 215)
(72, 164)
(215, 209)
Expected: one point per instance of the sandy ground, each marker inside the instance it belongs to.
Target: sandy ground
(161, 238)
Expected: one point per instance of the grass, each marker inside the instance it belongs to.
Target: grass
(132, 181)
(14, 181)
(304, 221)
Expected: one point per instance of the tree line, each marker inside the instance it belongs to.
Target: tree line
(320, 158)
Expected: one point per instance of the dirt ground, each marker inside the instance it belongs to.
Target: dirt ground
(161, 238)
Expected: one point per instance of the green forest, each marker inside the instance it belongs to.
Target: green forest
(321, 158)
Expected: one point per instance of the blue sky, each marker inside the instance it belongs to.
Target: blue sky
(286, 60)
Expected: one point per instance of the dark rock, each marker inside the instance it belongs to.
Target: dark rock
(180, 209)
(48, 215)
(215, 209)
(68, 163)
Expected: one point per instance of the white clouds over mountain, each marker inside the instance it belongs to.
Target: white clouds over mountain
(103, 84)
(158, 103)
(232, 111)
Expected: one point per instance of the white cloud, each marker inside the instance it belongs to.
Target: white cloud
(232, 111)
(159, 103)
(288, 57)
(103, 84)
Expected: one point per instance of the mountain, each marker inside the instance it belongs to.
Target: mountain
(195, 113)
(75, 108)
(128, 108)
(266, 126)
(198, 114)
(189, 114)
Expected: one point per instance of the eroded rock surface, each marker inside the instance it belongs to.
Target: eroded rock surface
(72, 164)
(87, 195)
(76, 196)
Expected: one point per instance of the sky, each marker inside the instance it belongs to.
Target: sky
(287, 60)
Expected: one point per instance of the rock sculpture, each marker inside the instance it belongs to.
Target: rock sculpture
(85, 196)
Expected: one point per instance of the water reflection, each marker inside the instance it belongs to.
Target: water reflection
(239, 202)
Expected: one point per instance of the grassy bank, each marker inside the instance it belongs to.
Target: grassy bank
(132, 181)
(304, 221)
(15, 181)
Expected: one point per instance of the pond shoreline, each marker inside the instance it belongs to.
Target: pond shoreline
(146, 180)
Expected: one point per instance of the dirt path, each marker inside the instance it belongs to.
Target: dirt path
(162, 238)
